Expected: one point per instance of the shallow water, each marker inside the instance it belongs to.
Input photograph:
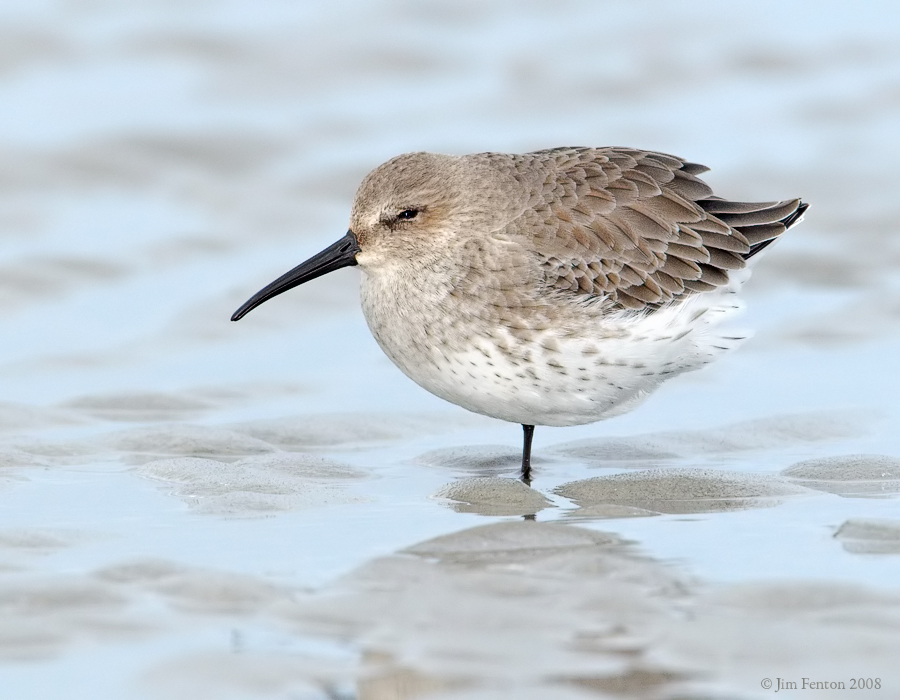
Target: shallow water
(269, 509)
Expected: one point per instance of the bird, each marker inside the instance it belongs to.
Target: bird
(555, 288)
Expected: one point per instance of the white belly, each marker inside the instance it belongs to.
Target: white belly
(559, 377)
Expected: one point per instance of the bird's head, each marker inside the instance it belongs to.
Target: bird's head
(410, 206)
(407, 210)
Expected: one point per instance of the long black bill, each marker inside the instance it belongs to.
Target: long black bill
(337, 255)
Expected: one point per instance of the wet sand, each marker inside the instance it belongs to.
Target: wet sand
(194, 508)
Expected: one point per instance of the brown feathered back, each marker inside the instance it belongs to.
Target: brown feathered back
(636, 228)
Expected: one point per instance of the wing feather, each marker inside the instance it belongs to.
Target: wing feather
(638, 228)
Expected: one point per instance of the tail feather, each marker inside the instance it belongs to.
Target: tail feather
(760, 223)
(788, 221)
(764, 214)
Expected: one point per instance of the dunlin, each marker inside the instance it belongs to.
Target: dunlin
(558, 287)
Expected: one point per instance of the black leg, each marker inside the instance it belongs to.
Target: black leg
(526, 454)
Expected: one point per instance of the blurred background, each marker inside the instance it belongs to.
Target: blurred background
(161, 161)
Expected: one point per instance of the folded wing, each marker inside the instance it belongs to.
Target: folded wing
(640, 229)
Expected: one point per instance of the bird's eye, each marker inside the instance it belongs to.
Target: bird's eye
(408, 214)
